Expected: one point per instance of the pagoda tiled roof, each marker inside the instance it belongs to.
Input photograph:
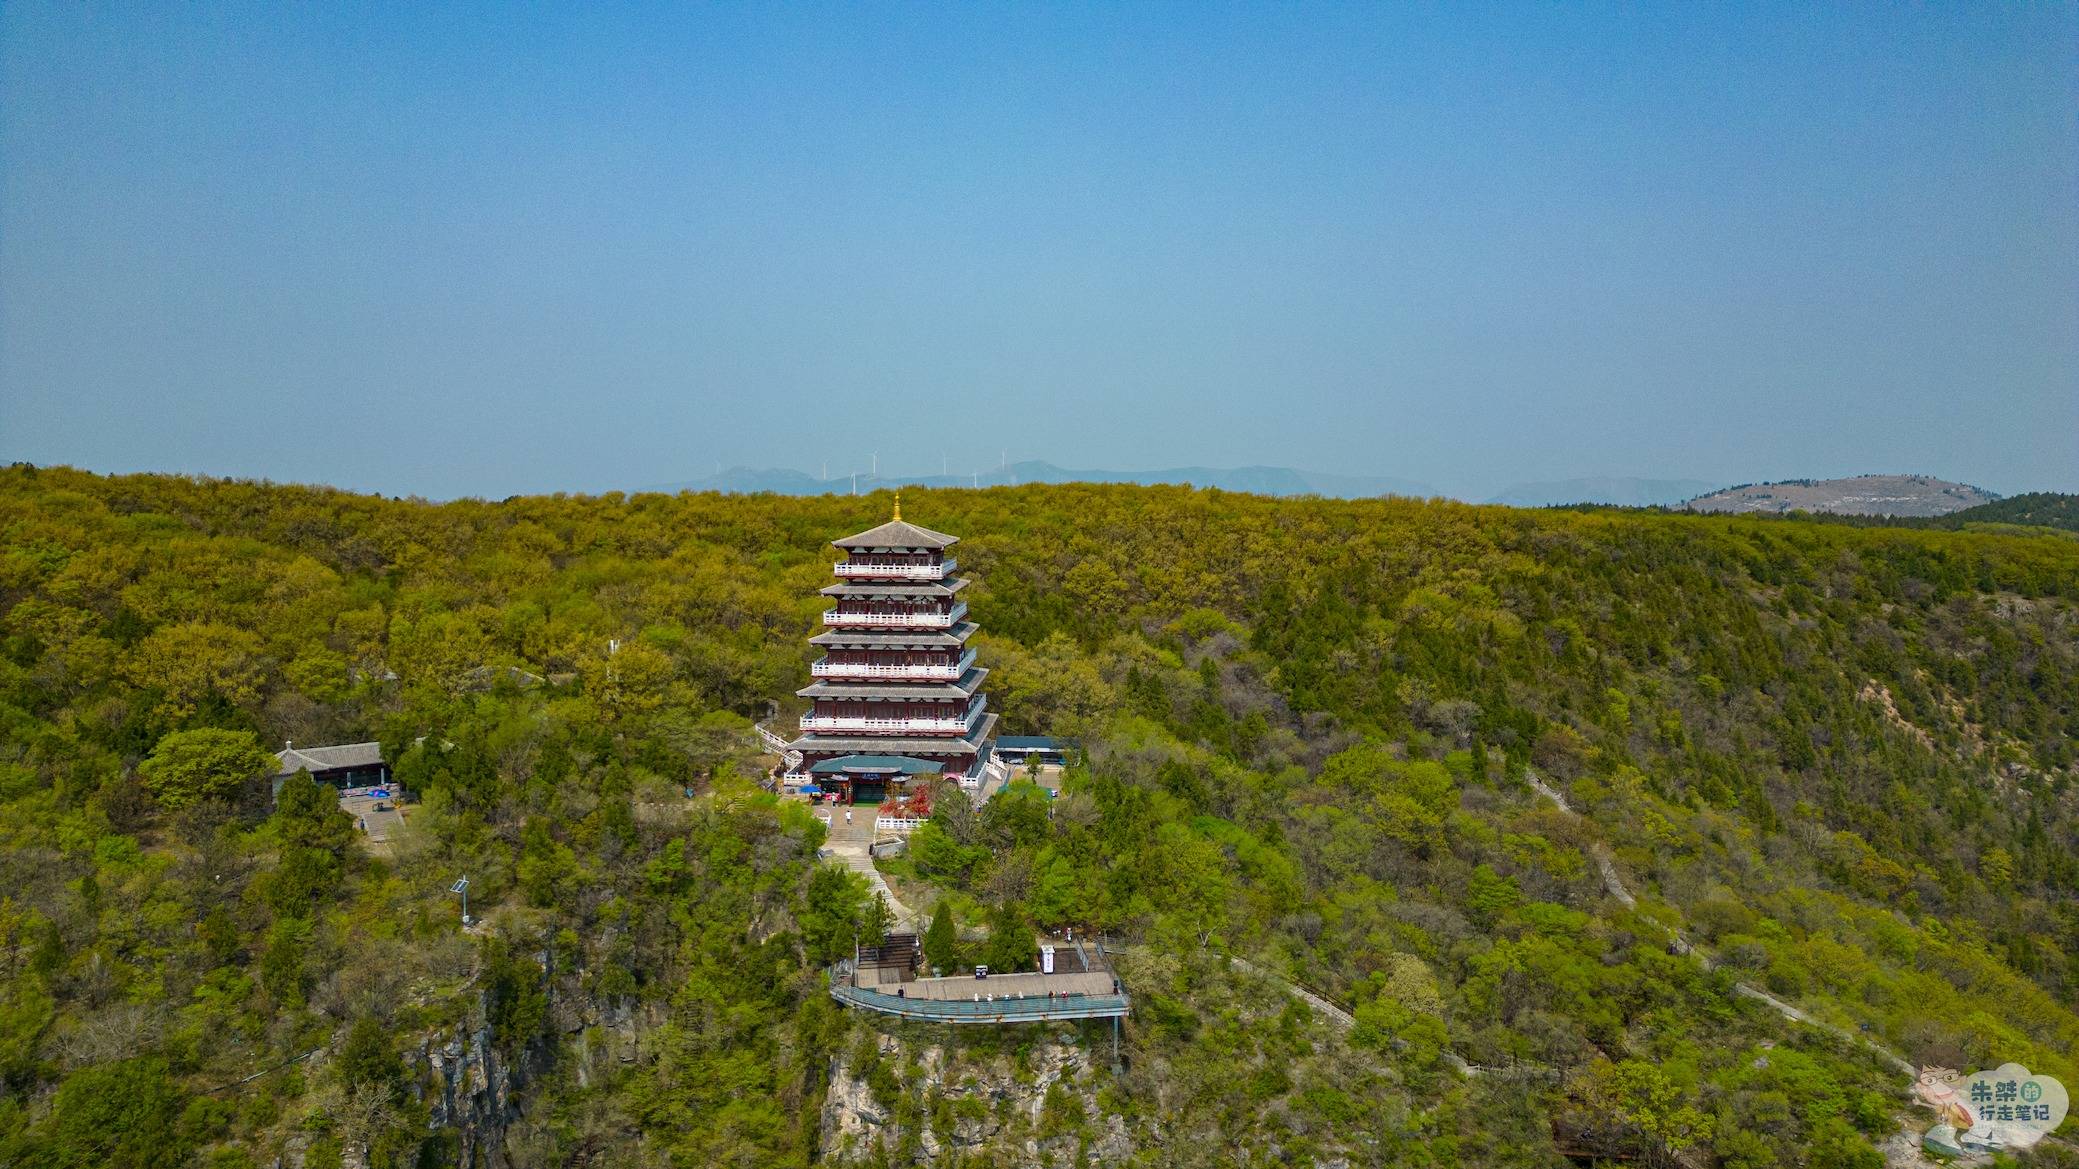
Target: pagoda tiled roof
(873, 763)
(897, 534)
(931, 589)
(900, 691)
(878, 745)
(897, 638)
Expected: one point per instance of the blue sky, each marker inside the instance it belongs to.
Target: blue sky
(465, 250)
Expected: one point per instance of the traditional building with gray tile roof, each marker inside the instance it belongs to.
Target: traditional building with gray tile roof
(897, 680)
(347, 765)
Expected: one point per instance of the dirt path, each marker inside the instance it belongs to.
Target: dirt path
(1681, 945)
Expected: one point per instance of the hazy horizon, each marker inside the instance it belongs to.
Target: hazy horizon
(452, 254)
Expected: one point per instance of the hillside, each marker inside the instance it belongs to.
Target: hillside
(1873, 495)
(1327, 744)
(2043, 509)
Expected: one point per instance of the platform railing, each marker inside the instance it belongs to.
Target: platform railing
(960, 723)
(869, 570)
(842, 619)
(951, 672)
(831, 722)
(988, 1009)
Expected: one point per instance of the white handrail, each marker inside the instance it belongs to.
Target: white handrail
(831, 722)
(953, 672)
(897, 620)
(896, 571)
(837, 722)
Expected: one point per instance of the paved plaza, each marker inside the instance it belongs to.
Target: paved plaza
(380, 824)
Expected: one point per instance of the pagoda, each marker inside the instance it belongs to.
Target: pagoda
(897, 693)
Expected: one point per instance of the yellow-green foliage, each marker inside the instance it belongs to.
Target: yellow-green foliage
(1838, 756)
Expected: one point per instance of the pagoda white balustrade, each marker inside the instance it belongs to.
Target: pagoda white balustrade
(895, 620)
(893, 726)
(872, 570)
(907, 671)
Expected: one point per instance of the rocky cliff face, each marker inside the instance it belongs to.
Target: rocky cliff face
(926, 1097)
(474, 1093)
(467, 1087)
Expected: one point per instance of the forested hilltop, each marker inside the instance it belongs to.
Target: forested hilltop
(1836, 760)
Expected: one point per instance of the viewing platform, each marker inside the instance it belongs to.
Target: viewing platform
(1082, 987)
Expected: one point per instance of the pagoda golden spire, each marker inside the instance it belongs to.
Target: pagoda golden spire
(898, 506)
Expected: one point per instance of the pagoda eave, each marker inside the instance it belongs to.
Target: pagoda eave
(895, 638)
(897, 536)
(931, 589)
(876, 745)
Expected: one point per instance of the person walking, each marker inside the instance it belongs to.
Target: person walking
(848, 817)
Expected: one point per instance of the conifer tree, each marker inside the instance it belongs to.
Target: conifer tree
(941, 943)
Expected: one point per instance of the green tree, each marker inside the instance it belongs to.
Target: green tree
(833, 912)
(302, 879)
(122, 1115)
(282, 969)
(1010, 946)
(314, 834)
(369, 1057)
(1489, 895)
(937, 854)
(307, 814)
(1017, 815)
(191, 767)
(546, 866)
(941, 939)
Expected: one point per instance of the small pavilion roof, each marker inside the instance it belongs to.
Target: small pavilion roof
(897, 534)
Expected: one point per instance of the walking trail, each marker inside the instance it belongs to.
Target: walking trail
(1681, 945)
(1613, 883)
(852, 844)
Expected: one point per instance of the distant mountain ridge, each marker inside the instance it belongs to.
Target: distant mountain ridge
(1257, 480)
(1622, 491)
(1872, 495)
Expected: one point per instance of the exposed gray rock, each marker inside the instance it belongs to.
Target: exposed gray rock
(961, 1101)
